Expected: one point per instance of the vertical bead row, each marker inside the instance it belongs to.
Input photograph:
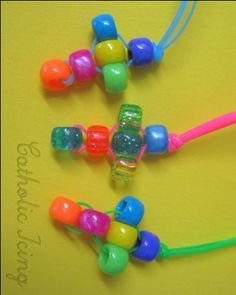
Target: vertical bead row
(127, 142)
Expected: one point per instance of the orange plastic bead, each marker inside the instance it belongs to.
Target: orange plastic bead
(97, 140)
(65, 211)
(53, 72)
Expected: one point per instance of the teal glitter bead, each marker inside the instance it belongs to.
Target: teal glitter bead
(126, 143)
(66, 138)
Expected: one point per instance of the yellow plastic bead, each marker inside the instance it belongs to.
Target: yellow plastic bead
(122, 235)
(111, 51)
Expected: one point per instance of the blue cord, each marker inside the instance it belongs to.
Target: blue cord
(174, 24)
(183, 27)
(93, 46)
(71, 80)
(123, 41)
(99, 70)
(129, 63)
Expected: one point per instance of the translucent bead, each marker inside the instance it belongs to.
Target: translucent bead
(123, 168)
(148, 246)
(126, 143)
(142, 51)
(108, 52)
(122, 235)
(53, 72)
(94, 223)
(130, 117)
(112, 259)
(65, 211)
(97, 140)
(66, 138)
(104, 27)
(83, 66)
(131, 211)
(157, 139)
(115, 77)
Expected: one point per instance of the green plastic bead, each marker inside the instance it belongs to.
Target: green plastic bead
(115, 77)
(130, 117)
(112, 259)
(66, 138)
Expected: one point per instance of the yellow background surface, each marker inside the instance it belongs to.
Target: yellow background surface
(190, 196)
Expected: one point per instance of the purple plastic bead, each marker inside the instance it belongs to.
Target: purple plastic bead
(94, 222)
(83, 65)
(142, 51)
(148, 247)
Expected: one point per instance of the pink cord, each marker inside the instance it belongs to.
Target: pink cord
(81, 128)
(111, 153)
(84, 130)
(176, 141)
(141, 153)
(113, 129)
(143, 149)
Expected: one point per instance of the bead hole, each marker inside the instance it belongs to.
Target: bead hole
(105, 255)
(123, 206)
(138, 243)
(129, 54)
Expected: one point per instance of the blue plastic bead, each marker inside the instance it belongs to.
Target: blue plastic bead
(66, 138)
(131, 211)
(148, 247)
(126, 143)
(156, 139)
(158, 52)
(104, 27)
(142, 51)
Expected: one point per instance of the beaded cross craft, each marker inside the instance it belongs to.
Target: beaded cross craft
(127, 141)
(123, 237)
(110, 55)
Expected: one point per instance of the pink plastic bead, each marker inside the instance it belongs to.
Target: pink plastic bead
(94, 223)
(83, 65)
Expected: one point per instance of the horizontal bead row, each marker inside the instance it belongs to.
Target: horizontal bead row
(123, 143)
(127, 142)
(122, 234)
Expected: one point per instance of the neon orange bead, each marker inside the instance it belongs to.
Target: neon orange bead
(53, 72)
(97, 140)
(65, 211)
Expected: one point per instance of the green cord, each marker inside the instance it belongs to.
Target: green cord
(115, 212)
(192, 250)
(98, 242)
(84, 204)
(74, 230)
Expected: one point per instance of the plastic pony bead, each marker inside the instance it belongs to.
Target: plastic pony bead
(123, 239)
(94, 222)
(104, 28)
(126, 142)
(65, 211)
(98, 140)
(131, 211)
(83, 66)
(110, 55)
(141, 51)
(66, 138)
(53, 73)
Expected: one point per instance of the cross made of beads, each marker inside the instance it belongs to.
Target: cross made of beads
(121, 233)
(127, 141)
